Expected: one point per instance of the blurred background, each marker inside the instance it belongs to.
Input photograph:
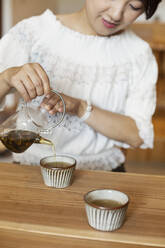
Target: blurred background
(153, 31)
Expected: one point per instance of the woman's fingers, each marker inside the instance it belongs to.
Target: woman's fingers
(53, 104)
(21, 90)
(43, 77)
(33, 78)
(30, 87)
(36, 80)
(50, 101)
(57, 108)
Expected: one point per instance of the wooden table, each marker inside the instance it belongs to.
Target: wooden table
(35, 216)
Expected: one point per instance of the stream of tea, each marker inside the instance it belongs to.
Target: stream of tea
(19, 141)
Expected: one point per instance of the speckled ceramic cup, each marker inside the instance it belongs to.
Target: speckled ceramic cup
(106, 209)
(57, 171)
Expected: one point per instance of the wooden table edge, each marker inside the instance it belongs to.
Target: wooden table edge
(93, 171)
(56, 231)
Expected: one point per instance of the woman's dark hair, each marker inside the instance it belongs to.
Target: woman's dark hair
(150, 7)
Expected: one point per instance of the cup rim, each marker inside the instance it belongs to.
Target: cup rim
(58, 168)
(105, 208)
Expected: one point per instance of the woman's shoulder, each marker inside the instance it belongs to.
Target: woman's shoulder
(137, 43)
(123, 48)
(38, 22)
(132, 46)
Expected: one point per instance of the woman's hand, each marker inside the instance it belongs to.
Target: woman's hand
(53, 104)
(30, 80)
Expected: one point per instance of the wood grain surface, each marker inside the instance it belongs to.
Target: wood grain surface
(34, 215)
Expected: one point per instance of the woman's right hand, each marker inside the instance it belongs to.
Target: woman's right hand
(30, 80)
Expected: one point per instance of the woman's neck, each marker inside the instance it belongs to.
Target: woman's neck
(77, 21)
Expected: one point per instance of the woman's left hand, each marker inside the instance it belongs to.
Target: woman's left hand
(53, 104)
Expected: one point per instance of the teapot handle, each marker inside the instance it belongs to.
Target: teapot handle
(48, 131)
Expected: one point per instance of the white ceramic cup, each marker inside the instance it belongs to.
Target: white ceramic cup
(105, 218)
(57, 175)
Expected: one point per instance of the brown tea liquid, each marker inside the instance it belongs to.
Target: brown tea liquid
(58, 164)
(107, 203)
(19, 141)
(47, 142)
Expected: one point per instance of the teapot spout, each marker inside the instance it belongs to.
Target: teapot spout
(41, 140)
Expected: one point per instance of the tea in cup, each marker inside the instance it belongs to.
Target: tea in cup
(57, 171)
(106, 209)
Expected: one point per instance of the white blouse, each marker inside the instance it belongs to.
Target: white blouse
(117, 73)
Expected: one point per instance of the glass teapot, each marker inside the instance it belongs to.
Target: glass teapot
(26, 125)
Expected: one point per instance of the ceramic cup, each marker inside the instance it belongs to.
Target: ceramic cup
(106, 209)
(57, 171)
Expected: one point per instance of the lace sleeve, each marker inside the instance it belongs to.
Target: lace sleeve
(141, 101)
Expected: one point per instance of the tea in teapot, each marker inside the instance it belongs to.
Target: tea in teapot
(19, 141)
(25, 126)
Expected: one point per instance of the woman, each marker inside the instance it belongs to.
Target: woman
(106, 74)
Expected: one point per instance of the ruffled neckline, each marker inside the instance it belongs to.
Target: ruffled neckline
(79, 35)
